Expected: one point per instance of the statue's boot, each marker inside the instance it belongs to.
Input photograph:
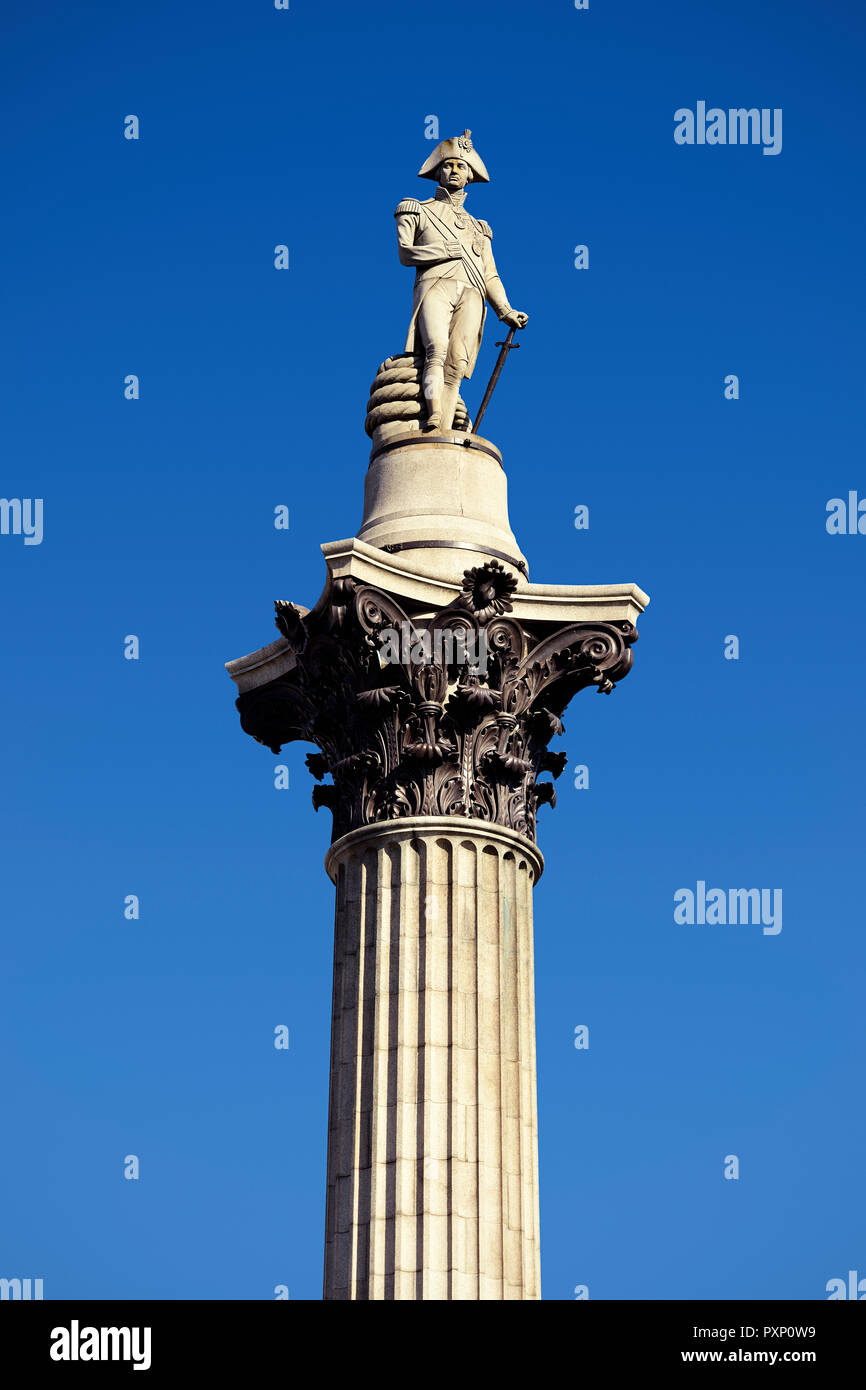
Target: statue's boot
(449, 404)
(434, 382)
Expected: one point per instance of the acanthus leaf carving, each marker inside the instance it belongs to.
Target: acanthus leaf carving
(433, 732)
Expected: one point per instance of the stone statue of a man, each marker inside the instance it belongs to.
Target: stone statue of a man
(455, 276)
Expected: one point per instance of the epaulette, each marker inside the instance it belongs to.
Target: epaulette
(407, 205)
(484, 226)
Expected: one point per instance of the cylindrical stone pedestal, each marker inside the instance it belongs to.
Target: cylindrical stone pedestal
(433, 1139)
(439, 504)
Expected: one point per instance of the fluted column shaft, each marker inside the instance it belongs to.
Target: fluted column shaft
(433, 1134)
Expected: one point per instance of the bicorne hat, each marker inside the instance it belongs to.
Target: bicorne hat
(458, 147)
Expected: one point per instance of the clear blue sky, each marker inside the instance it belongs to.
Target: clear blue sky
(155, 257)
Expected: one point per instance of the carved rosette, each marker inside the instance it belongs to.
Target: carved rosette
(447, 714)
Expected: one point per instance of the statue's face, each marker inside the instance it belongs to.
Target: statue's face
(454, 174)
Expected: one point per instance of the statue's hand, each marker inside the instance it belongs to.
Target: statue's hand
(515, 319)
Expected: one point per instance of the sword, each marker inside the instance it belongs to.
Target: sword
(505, 348)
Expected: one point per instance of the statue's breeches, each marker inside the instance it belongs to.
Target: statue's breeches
(449, 323)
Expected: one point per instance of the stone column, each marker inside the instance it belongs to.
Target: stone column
(432, 676)
(432, 1130)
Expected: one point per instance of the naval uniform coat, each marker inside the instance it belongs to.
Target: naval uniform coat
(422, 230)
